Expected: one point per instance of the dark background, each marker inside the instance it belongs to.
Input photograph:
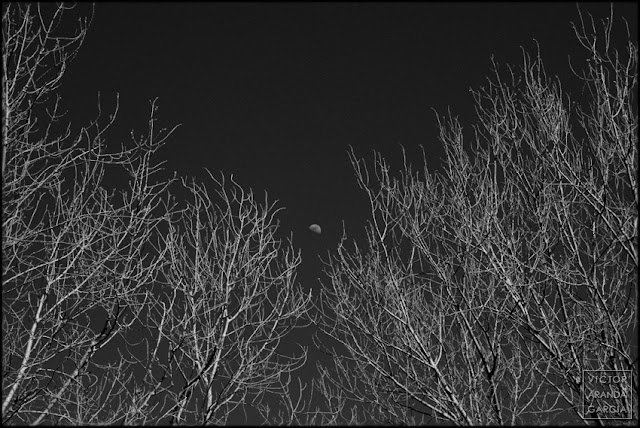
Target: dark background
(275, 93)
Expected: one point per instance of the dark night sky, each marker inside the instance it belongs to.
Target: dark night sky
(276, 92)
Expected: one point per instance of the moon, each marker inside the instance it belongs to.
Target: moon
(315, 229)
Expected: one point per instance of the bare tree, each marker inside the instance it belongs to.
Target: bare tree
(484, 291)
(119, 305)
(232, 299)
(76, 257)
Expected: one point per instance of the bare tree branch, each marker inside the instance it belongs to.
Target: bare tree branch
(484, 291)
